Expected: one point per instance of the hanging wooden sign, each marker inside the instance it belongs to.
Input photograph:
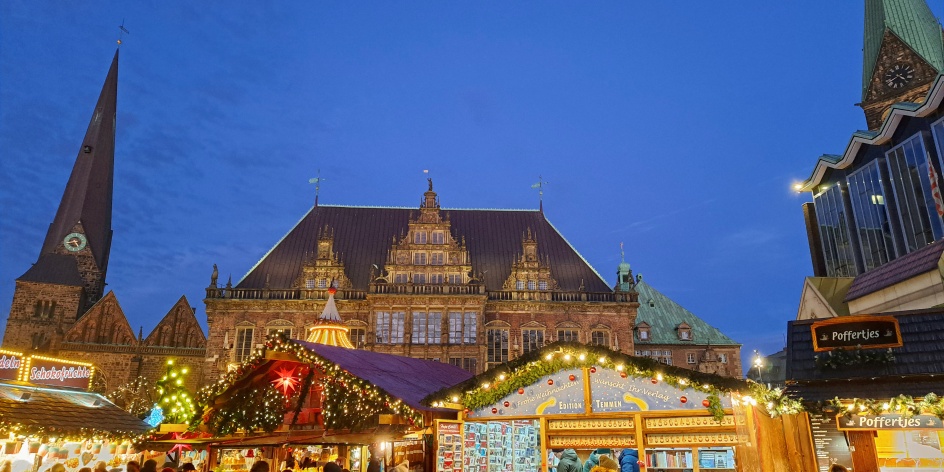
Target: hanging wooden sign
(863, 331)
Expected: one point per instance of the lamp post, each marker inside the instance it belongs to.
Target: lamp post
(759, 363)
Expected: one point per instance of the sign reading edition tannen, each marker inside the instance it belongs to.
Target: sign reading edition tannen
(867, 332)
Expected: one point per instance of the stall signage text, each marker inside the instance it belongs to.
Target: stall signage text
(875, 422)
(610, 392)
(59, 373)
(868, 332)
(9, 366)
(556, 394)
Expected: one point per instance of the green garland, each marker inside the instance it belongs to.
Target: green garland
(250, 409)
(839, 358)
(930, 404)
(8, 427)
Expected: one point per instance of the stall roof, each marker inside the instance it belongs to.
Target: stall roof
(63, 409)
(406, 378)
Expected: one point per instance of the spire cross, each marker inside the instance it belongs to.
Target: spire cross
(540, 186)
(122, 31)
(317, 181)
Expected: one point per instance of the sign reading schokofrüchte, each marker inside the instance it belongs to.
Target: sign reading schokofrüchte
(56, 372)
(888, 421)
(867, 332)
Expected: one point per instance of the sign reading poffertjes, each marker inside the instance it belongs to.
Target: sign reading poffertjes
(867, 332)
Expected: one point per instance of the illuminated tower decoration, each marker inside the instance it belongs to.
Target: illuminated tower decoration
(329, 329)
(173, 397)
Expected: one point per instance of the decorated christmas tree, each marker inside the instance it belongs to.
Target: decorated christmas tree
(173, 398)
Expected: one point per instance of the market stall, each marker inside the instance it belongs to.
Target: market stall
(48, 417)
(595, 400)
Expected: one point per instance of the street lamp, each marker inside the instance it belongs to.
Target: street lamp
(759, 363)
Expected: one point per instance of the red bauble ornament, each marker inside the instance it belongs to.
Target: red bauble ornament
(550, 381)
(507, 404)
(494, 410)
(593, 370)
(623, 374)
(706, 403)
(683, 399)
(654, 380)
(572, 377)
(520, 391)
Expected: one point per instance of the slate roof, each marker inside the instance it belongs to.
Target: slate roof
(363, 236)
(56, 269)
(88, 194)
(901, 269)
(912, 21)
(68, 411)
(406, 378)
(663, 315)
(920, 358)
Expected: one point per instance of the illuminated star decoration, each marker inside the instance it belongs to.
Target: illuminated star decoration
(179, 448)
(286, 381)
(156, 417)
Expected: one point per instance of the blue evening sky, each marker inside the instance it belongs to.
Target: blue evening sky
(675, 127)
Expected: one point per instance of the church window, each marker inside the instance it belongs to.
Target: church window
(834, 232)
(530, 285)
(358, 336)
(389, 327)
(439, 237)
(419, 278)
(435, 278)
(436, 258)
(568, 335)
(470, 328)
(399, 279)
(243, 346)
(542, 285)
(723, 358)
(496, 340)
(519, 285)
(908, 174)
(599, 337)
(455, 279)
(531, 339)
(310, 283)
(871, 216)
(419, 258)
(419, 237)
(690, 357)
(322, 283)
(44, 308)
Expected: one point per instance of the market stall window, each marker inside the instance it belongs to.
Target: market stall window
(908, 450)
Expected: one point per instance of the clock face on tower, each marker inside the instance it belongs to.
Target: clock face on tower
(75, 242)
(898, 75)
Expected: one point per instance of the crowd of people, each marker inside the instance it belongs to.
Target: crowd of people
(566, 460)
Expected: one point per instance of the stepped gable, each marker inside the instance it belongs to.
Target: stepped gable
(363, 236)
(104, 323)
(178, 328)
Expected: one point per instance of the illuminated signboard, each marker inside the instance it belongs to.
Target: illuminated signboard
(867, 332)
(56, 372)
(10, 365)
(887, 421)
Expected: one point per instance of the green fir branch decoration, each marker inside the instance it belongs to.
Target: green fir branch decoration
(839, 358)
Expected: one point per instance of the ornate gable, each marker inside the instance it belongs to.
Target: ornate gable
(324, 268)
(428, 254)
(178, 328)
(104, 323)
(529, 272)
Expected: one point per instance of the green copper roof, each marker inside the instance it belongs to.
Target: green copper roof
(910, 20)
(663, 315)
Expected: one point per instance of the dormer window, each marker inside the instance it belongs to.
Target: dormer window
(530, 285)
(519, 285)
(643, 331)
(684, 332)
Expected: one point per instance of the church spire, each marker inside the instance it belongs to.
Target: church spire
(87, 199)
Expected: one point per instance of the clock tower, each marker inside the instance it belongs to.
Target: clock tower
(902, 54)
(69, 275)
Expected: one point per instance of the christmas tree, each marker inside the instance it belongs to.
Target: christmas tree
(173, 398)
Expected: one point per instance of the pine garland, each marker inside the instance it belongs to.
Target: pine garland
(838, 358)
(250, 409)
(905, 405)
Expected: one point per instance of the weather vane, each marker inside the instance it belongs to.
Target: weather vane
(317, 181)
(122, 31)
(540, 186)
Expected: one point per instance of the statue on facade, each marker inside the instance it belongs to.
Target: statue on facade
(214, 276)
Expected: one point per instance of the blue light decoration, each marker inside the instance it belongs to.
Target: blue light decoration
(156, 416)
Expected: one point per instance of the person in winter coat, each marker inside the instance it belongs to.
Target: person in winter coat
(592, 461)
(569, 462)
(629, 460)
(608, 464)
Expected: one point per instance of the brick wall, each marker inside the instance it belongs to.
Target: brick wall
(23, 324)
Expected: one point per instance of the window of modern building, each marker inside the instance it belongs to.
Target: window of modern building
(871, 215)
(568, 335)
(496, 350)
(419, 237)
(470, 328)
(419, 258)
(242, 348)
(389, 327)
(532, 339)
(908, 173)
(599, 337)
(834, 233)
(938, 130)
(439, 237)
(436, 258)
(691, 357)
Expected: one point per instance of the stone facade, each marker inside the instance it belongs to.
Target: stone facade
(882, 93)
(721, 360)
(40, 315)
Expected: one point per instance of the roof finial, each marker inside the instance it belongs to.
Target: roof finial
(122, 31)
(540, 186)
(622, 253)
(317, 181)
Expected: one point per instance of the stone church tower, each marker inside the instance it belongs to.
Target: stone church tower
(69, 275)
(903, 52)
